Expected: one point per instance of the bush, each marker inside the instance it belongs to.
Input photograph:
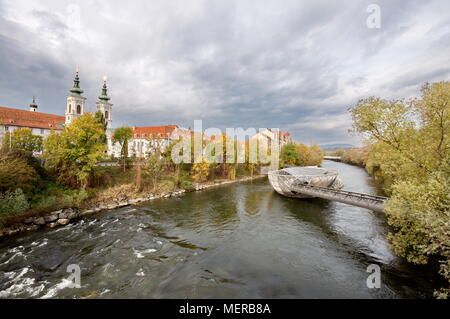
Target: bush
(186, 185)
(12, 203)
(16, 172)
(56, 197)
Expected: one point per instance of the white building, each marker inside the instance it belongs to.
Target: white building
(268, 136)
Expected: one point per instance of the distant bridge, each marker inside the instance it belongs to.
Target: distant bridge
(372, 202)
(333, 158)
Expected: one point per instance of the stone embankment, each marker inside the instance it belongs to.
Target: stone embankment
(65, 216)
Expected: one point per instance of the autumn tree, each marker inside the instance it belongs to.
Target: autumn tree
(410, 153)
(72, 154)
(17, 173)
(200, 170)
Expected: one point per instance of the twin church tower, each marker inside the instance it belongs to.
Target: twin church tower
(76, 102)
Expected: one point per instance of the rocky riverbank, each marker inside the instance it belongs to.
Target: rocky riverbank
(65, 216)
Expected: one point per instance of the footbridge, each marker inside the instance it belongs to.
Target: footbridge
(372, 202)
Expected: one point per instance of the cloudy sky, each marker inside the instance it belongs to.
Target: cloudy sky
(294, 65)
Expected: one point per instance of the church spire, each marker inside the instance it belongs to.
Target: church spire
(33, 105)
(76, 85)
(104, 96)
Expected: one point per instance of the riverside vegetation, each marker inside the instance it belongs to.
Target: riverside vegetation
(38, 176)
(407, 151)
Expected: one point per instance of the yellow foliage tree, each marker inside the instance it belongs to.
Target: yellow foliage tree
(200, 171)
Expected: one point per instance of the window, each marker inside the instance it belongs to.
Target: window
(106, 115)
(70, 108)
(42, 131)
(6, 128)
(78, 109)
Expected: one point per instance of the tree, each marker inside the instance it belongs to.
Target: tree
(101, 119)
(122, 135)
(289, 155)
(410, 154)
(23, 139)
(16, 172)
(154, 168)
(72, 154)
(200, 170)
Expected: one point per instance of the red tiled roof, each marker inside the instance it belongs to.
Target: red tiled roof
(23, 118)
(153, 131)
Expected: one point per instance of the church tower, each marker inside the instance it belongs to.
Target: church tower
(75, 101)
(33, 106)
(105, 108)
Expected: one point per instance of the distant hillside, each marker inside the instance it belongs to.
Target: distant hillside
(328, 146)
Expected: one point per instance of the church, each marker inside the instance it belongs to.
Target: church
(43, 123)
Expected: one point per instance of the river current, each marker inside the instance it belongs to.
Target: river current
(240, 240)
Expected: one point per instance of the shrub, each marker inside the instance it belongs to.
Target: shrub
(16, 172)
(12, 203)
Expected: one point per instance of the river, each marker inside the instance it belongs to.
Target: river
(236, 241)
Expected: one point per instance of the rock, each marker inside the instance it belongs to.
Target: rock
(63, 215)
(73, 214)
(63, 221)
(29, 220)
(39, 221)
(11, 232)
(87, 212)
(52, 225)
(51, 218)
(30, 228)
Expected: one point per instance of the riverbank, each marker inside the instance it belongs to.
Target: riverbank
(65, 216)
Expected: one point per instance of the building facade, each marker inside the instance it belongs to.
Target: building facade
(43, 123)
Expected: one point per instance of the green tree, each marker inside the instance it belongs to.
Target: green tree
(289, 155)
(72, 154)
(122, 135)
(23, 139)
(101, 119)
(410, 154)
(154, 168)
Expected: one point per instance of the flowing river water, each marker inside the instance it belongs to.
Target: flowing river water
(241, 240)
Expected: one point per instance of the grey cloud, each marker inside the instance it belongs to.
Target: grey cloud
(295, 65)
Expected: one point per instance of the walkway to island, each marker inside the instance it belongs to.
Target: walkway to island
(373, 202)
